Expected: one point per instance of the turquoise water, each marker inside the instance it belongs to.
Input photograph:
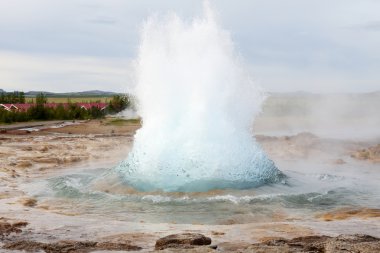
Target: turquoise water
(101, 193)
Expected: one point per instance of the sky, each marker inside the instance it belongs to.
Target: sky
(295, 45)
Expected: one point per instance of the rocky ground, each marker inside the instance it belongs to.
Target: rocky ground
(27, 154)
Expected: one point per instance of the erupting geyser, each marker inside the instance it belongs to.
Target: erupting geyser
(197, 103)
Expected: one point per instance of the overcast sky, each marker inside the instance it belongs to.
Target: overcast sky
(293, 45)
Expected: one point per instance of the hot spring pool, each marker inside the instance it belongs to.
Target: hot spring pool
(307, 191)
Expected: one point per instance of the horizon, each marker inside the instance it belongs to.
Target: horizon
(268, 92)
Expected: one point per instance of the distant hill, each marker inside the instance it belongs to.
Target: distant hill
(1, 90)
(313, 94)
(34, 93)
(90, 93)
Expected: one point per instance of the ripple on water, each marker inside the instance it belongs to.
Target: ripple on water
(102, 194)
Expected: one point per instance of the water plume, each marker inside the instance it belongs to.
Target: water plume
(197, 102)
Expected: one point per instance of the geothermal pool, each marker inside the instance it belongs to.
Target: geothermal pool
(310, 189)
(195, 160)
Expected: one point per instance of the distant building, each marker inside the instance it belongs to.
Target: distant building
(25, 107)
(8, 107)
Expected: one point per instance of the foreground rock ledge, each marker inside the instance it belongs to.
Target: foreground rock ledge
(320, 244)
(182, 241)
(68, 246)
(307, 244)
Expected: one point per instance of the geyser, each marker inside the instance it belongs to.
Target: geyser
(197, 103)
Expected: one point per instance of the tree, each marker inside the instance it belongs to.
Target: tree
(118, 103)
(22, 97)
(12, 97)
(60, 112)
(41, 99)
(95, 112)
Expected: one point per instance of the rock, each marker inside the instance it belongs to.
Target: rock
(234, 246)
(24, 164)
(62, 247)
(213, 246)
(46, 160)
(44, 149)
(117, 246)
(28, 202)
(199, 249)
(7, 228)
(182, 241)
(69, 246)
(353, 243)
(371, 154)
(319, 244)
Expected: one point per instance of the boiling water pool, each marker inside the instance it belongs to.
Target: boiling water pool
(307, 191)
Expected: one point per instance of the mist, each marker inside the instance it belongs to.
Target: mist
(343, 116)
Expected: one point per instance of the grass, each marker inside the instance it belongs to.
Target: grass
(74, 99)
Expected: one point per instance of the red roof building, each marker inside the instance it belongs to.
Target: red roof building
(8, 107)
(25, 107)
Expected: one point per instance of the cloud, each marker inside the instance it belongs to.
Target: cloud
(63, 73)
(369, 26)
(291, 42)
(102, 20)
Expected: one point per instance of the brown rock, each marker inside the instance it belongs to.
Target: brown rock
(7, 228)
(353, 243)
(46, 160)
(199, 249)
(28, 202)
(319, 244)
(182, 241)
(68, 246)
(61, 247)
(116, 246)
(24, 164)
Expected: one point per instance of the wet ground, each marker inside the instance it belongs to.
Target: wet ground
(62, 183)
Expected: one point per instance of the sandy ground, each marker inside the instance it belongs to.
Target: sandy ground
(26, 155)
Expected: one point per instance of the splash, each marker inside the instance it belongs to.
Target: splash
(198, 103)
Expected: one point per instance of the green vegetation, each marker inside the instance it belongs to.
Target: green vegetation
(118, 104)
(12, 97)
(67, 108)
(75, 99)
(38, 112)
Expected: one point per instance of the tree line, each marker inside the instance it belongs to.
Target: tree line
(69, 111)
(16, 97)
